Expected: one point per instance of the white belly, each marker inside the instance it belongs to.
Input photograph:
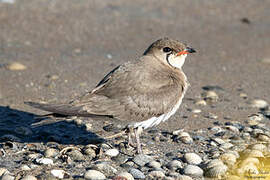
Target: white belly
(156, 120)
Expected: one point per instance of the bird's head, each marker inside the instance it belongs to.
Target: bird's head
(169, 51)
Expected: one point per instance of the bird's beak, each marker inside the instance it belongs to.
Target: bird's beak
(186, 51)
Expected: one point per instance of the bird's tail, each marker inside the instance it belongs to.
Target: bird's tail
(60, 109)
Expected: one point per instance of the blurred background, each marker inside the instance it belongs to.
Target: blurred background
(55, 50)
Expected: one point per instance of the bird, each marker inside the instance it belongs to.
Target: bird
(142, 93)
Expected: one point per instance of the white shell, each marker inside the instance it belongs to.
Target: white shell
(192, 158)
(112, 152)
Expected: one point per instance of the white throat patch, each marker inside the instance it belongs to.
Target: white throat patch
(177, 61)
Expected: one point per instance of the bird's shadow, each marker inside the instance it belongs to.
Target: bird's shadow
(16, 125)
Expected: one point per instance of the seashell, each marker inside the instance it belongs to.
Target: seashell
(233, 129)
(249, 168)
(253, 153)
(259, 147)
(192, 158)
(185, 137)
(233, 177)
(183, 177)
(51, 152)
(29, 177)
(124, 176)
(258, 103)
(263, 137)
(250, 160)
(196, 111)
(226, 146)
(16, 66)
(256, 132)
(219, 141)
(214, 153)
(213, 163)
(174, 165)
(177, 132)
(256, 117)
(59, 173)
(228, 159)
(217, 171)
(156, 175)
(247, 129)
(246, 136)
(235, 153)
(193, 170)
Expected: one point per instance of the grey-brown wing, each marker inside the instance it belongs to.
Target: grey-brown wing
(131, 92)
(134, 93)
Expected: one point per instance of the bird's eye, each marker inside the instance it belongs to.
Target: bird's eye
(167, 49)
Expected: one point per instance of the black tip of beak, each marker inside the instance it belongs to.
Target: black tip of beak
(190, 50)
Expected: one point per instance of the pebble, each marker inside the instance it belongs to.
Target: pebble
(29, 177)
(174, 165)
(121, 159)
(3, 171)
(243, 95)
(125, 175)
(7, 177)
(266, 60)
(258, 103)
(226, 145)
(142, 159)
(94, 175)
(109, 56)
(201, 102)
(45, 161)
(59, 173)
(196, 111)
(211, 116)
(136, 173)
(193, 170)
(112, 152)
(192, 158)
(16, 66)
(183, 177)
(90, 152)
(76, 155)
(156, 174)
(185, 138)
(25, 167)
(51, 152)
(106, 168)
(210, 95)
(154, 164)
(177, 132)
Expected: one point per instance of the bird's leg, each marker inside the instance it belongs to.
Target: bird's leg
(130, 136)
(138, 132)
